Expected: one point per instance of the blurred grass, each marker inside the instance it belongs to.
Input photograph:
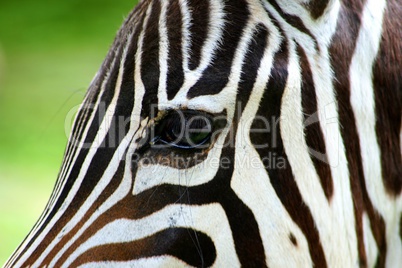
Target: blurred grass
(49, 52)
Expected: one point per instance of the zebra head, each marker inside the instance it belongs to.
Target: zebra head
(234, 133)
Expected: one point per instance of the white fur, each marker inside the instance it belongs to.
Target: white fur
(163, 52)
(369, 242)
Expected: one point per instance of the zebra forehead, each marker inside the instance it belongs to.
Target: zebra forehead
(187, 59)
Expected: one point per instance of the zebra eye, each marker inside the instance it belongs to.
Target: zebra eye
(185, 130)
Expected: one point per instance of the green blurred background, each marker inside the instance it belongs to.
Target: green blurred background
(49, 53)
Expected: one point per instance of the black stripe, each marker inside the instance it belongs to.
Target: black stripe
(400, 227)
(312, 129)
(200, 19)
(252, 63)
(317, 7)
(387, 81)
(183, 247)
(281, 177)
(150, 51)
(175, 75)
(150, 70)
(216, 76)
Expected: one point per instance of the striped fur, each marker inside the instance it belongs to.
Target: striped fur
(321, 185)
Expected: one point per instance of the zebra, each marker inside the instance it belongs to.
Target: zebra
(234, 133)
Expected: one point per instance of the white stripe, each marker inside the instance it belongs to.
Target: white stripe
(186, 35)
(215, 32)
(370, 244)
(163, 53)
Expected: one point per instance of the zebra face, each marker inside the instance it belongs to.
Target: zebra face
(203, 140)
